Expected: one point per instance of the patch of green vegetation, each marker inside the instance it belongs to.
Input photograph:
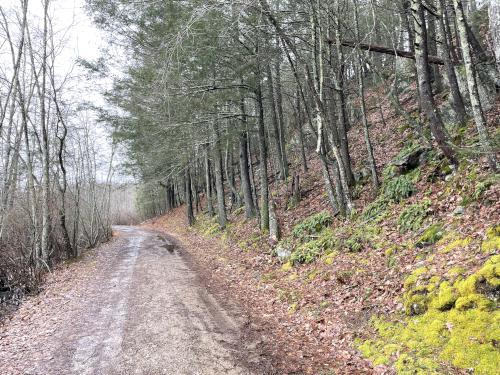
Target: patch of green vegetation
(288, 296)
(207, 226)
(311, 275)
(390, 254)
(492, 241)
(344, 276)
(455, 271)
(312, 225)
(267, 277)
(431, 235)
(391, 250)
(293, 308)
(476, 186)
(398, 188)
(329, 258)
(460, 325)
(360, 236)
(250, 243)
(287, 266)
(389, 172)
(452, 242)
(376, 210)
(417, 289)
(413, 216)
(307, 252)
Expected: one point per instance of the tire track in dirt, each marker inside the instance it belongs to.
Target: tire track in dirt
(143, 310)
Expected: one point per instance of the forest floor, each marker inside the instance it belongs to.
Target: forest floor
(132, 306)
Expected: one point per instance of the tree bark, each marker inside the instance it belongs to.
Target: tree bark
(457, 102)
(208, 183)
(343, 118)
(219, 179)
(279, 108)
(261, 134)
(275, 122)
(494, 17)
(246, 186)
(299, 122)
(317, 99)
(424, 83)
(45, 242)
(389, 51)
(188, 198)
(235, 194)
(470, 73)
(361, 90)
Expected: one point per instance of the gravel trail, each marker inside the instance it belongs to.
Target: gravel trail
(136, 308)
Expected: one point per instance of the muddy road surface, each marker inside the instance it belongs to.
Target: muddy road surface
(133, 307)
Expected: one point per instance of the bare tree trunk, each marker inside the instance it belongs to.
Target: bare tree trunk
(208, 183)
(317, 95)
(188, 197)
(275, 122)
(432, 49)
(343, 119)
(299, 124)
(361, 88)
(494, 16)
(253, 186)
(219, 179)
(472, 86)
(456, 97)
(274, 226)
(279, 108)
(45, 244)
(261, 133)
(235, 195)
(423, 75)
(246, 186)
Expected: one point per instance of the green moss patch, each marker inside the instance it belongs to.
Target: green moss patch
(452, 241)
(431, 235)
(207, 226)
(492, 241)
(459, 325)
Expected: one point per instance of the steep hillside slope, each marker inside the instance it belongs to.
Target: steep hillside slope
(410, 283)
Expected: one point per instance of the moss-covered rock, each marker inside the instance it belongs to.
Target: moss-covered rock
(445, 297)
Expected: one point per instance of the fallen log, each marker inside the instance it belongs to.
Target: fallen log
(388, 51)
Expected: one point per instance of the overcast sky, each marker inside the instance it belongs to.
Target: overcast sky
(79, 38)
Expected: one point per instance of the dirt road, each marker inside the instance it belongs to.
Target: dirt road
(133, 307)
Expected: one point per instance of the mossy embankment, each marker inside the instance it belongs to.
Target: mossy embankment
(408, 283)
(417, 269)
